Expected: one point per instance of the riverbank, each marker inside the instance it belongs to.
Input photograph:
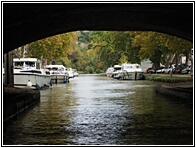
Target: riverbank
(181, 86)
(178, 91)
(175, 78)
(15, 100)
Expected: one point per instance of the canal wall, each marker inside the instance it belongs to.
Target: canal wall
(174, 78)
(182, 91)
(16, 100)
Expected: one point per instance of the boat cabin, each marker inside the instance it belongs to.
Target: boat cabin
(26, 63)
(117, 67)
(56, 69)
(131, 67)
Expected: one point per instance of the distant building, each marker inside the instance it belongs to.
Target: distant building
(145, 64)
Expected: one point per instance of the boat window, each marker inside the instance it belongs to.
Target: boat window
(47, 72)
(18, 64)
(30, 64)
(117, 68)
(38, 66)
(54, 68)
(128, 67)
(61, 69)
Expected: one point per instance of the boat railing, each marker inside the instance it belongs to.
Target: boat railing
(126, 73)
(57, 72)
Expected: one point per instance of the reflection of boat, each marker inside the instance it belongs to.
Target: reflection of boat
(58, 73)
(131, 72)
(28, 73)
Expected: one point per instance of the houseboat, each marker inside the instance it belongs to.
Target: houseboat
(131, 72)
(70, 72)
(109, 72)
(28, 73)
(117, 71)
(58, 74)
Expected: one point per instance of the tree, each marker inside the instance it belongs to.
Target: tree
(158, 46)
(99, 50)
(57, 47)
(178, 46)
(151, 46)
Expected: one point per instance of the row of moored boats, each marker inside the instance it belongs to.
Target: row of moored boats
(125, 72)
(29, 72)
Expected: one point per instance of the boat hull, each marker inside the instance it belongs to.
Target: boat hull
(116, 75)
(55, 79)
(131, 76)
(38, 81)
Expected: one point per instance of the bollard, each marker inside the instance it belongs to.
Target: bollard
(135, 75)
(56, 79)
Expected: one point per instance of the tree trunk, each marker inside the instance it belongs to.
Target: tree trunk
(175, 59)
(168, 60)
(187, 58)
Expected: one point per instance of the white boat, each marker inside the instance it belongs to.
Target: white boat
(58, 73)
(131, 72)
(28, 73)
(76, 74)
(109, 72)
(70, 72)
(117, 71)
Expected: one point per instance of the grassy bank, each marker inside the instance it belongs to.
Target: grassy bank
(168, 78)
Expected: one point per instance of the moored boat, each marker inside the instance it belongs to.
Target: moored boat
(131, 72)
(70, 72)
(58, 74)
(28, 73)
(109, 72)
(76, 74)
(117, 71)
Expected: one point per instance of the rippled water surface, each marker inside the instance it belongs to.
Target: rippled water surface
(96, 110)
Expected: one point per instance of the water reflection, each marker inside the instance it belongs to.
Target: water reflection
(95, 110)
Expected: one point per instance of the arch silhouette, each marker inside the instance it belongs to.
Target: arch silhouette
(27, 22)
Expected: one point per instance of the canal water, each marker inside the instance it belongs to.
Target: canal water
(96, 110)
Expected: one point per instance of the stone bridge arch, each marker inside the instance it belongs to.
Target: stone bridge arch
(27, 22)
